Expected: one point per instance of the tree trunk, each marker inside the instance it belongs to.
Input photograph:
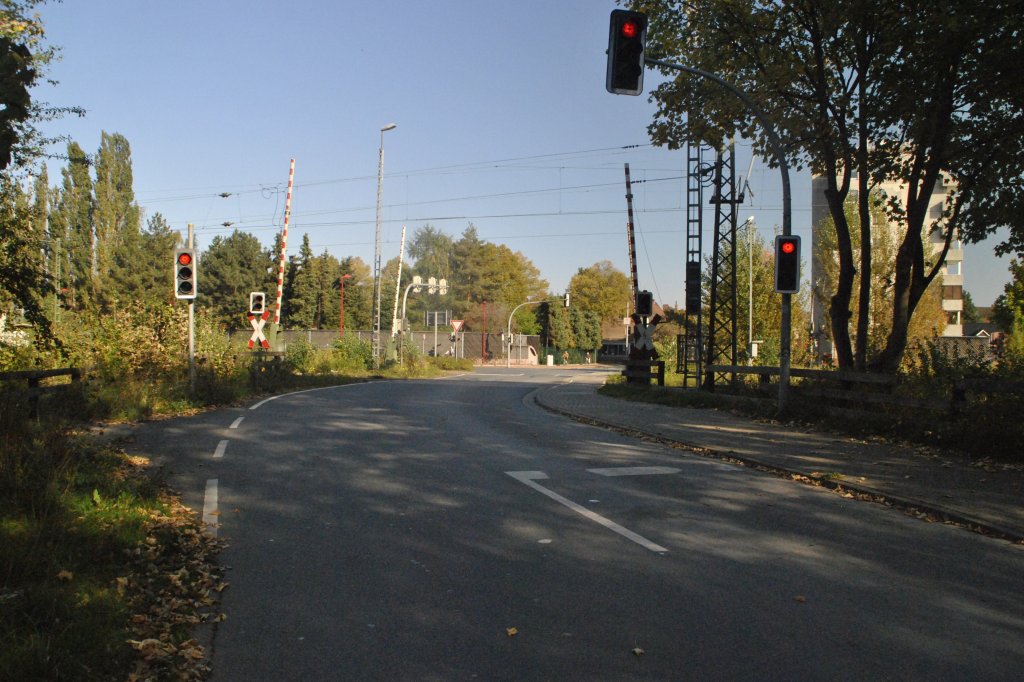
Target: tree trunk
(839, 308)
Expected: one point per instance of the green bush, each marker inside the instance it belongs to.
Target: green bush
(353, 354)
(300, 356)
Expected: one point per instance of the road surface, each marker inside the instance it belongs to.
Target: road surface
(452, 530)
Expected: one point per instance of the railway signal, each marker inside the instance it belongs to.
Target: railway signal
(257, 302)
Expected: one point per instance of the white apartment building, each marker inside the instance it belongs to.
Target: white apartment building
(952, 274)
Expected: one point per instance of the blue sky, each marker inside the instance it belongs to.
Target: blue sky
(501, 112)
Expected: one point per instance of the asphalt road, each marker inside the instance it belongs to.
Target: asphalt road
(453, 530)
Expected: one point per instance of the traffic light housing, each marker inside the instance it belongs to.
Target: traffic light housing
(787, 264)
(644, 303)
(627, 34)
(185, 274)
(692, 287)
(257, 303)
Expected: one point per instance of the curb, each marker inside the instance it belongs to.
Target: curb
(925, 511)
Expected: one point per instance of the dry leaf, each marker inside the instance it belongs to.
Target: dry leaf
(511, 632)
(66, 576)
(637, 651)
(800, 598)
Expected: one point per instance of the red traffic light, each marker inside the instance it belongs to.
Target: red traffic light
(184, 258)
(787, 246)
(630, 29)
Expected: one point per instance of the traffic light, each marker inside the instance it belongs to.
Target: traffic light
(257, 303)
(787, 264)
(626, 36)
(185, 273)
(644, 303)
(692, 287)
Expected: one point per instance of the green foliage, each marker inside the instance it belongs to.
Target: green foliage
(229, 270)
(602, 290)
(353, 354)
(300, 356)
(855, 89)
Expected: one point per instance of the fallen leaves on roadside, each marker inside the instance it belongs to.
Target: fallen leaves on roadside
(174, 584)
(65, 576)
(511, 632)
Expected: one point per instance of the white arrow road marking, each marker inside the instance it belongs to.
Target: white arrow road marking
(210, 506)
(530, 477)
(634, 471)
(221, 447)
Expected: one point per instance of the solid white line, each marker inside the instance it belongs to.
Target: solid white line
(310, 390)
(528, 477)
(634, 471)
(210, 506)
(221, 447)
(234, 424)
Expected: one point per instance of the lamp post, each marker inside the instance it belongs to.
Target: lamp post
(376, 249)
(341, 317)
(750, 294)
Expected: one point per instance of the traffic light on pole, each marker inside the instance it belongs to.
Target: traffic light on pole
(185, 273)
(257, 303)
(644, 303)
(787, 264)
(626, 36)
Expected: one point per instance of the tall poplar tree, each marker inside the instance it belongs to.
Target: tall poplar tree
(115, 213)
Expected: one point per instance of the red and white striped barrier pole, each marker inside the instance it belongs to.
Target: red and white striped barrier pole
(284, 251)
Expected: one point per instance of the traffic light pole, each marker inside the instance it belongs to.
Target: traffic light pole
(785, 345)
(191, 325)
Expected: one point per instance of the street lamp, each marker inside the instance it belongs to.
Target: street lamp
(341, 318)
(750, 295)
(376, 249)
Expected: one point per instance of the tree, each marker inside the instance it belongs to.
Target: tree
(431, 251)
(601, 289)
(229, 270)
(73, 222)
(302, 295)
(140, 272)
(1008, 308)
(358, 293)
(115, 214)
(22, 281)
(24, 62)
(908, 91)
(486, 272)
(928, 321)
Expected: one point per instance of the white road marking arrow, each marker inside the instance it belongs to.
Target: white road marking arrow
(530, 477)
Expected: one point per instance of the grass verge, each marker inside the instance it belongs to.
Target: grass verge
(104, 573)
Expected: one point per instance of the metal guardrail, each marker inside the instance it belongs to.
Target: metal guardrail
(35, 376)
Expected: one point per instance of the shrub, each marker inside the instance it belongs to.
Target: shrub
(353, 354)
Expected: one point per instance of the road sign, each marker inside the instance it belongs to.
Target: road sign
(457, 325)
(257, 325)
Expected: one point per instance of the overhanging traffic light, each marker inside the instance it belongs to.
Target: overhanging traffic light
(626, 36)
(185, 273)
(257, 303)
(787, 264)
